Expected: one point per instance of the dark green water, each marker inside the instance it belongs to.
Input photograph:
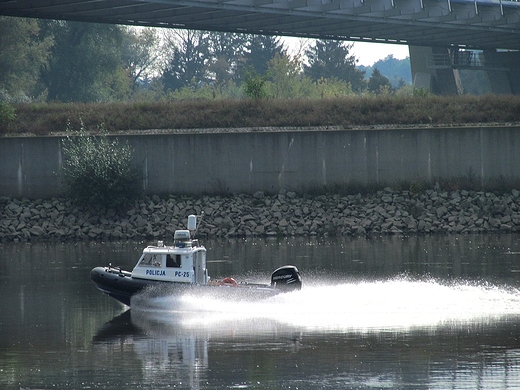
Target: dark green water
(397, 313)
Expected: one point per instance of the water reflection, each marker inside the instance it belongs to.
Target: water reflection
(393, 334)
(421, 312)
(164, 354)
(221, 349)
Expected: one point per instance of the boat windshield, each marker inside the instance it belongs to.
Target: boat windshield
(151, 260)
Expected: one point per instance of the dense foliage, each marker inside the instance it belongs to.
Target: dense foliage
(85, 63)
(64, 61)
(25, 50)
(329, 59)
(377, 83)
(7, 116)
(98, 171)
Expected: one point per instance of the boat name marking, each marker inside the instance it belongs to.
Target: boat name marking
(155, 272)
(158, 272)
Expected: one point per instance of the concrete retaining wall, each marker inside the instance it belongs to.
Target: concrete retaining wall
(249, 161)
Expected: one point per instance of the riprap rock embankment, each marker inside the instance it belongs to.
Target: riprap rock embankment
(284, 214)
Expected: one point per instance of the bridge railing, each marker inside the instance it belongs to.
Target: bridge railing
(464, 59)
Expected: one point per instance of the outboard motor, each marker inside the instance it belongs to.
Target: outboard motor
(286, 278)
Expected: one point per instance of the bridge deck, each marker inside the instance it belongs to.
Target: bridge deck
(465, 23)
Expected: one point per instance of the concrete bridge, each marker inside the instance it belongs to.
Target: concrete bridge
(438, 32)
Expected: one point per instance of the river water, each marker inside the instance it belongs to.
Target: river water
(383, 313)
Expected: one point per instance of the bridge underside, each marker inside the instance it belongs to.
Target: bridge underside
(413, 22)
(470, 24)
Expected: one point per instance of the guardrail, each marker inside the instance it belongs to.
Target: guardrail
(464, 59)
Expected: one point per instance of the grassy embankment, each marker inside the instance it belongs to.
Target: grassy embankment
(44, 119)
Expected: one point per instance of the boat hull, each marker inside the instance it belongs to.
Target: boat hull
(120, 285)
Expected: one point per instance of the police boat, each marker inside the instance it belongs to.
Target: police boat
(183, 266)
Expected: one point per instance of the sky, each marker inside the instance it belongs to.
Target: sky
(369, 53)
(366, 52)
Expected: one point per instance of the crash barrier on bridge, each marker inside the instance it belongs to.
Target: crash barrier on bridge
(274, 159)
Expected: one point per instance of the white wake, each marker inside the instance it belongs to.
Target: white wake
(395, 304)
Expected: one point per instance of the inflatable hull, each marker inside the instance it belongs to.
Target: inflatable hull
(120, 285)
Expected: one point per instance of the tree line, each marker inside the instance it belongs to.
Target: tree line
(63, 61)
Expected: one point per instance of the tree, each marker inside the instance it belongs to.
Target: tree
(25, 51)
(397, 71)
(227, 55)
(140, 54)
(260, 50)
(378, 83)
(86, 64)
(331, 59)
(187, 58)
(285, 77)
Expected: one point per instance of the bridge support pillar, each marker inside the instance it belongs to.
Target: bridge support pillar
(503, 71)
(438, 79)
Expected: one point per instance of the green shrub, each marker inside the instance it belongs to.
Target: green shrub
(254, 85)
(422, 92)
(98, 171)
(7, 115)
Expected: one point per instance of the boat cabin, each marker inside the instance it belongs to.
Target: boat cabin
(183, 262)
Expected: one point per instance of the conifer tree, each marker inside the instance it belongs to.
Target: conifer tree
(329, 59)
